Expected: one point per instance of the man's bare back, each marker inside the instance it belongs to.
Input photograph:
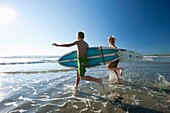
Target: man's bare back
(82, 47)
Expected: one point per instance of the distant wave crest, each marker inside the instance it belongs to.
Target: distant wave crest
(37, 71)
(31, 62)
(16, 60)
(160, 59)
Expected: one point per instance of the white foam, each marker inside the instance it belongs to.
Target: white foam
(162, 79)
(49, 104)
(105, 103)
(97, 111)
(26, 99)
(74, 106)
(156, 58)
(112, 77)
(85, 109)
(11, 103)
(35, 91)
(19, 110)
(147, 58)
(62, 105)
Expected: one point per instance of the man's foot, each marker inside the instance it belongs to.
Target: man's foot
(100, 82)
(76, 87)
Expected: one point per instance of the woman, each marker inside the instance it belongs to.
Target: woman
(113, 65)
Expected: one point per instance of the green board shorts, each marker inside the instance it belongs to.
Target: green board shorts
(81, 63)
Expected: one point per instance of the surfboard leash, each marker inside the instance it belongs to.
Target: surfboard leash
(102, 54)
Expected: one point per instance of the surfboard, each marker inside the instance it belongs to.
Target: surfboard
(129, 56)
(95, 56)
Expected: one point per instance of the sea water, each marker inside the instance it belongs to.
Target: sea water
(38, 84)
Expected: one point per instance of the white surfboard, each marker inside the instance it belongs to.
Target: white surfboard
(129, 56)
(125, 56)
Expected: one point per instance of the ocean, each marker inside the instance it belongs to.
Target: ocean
(38, 84)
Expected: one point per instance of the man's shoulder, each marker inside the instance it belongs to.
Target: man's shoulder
(87, 44)
(81, 41)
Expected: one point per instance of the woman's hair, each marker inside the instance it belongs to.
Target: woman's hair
(112, 39)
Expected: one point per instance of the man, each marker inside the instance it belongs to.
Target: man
(82, 47)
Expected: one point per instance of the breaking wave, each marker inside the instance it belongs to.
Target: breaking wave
(161, 59)
(17, 60)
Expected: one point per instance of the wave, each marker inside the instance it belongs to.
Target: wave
(31, 62)
(14, 63)
(147, 58)
(29, 57)
(37, 71)
(16, 60)
(159, 59)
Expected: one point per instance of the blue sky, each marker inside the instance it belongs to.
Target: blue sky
(138, 25)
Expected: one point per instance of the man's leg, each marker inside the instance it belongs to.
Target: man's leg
(89, 78)
(77, 80)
